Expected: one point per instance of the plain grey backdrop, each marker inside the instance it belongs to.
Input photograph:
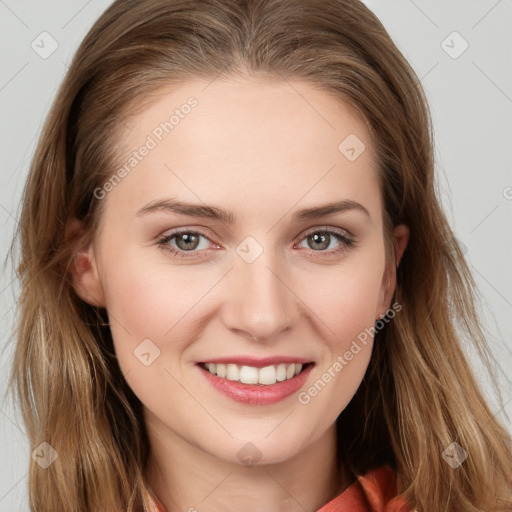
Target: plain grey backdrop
(461, 50)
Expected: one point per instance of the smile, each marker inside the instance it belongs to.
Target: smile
(256, 385)
(266, 376)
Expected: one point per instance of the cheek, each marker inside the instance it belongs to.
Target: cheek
(345, 300)
(148, 301)
(154, 311)
(352, 304)
(347, 306)
(149, 306)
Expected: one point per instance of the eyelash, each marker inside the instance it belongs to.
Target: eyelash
(348, 241)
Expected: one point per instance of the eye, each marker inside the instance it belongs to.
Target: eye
(321, 239)
(179, 243)
(187, 241)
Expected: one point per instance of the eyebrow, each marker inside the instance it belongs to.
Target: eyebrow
(213, 212)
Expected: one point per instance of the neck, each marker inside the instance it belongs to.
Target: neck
(185, 477)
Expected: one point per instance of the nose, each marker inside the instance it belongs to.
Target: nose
(260, 302)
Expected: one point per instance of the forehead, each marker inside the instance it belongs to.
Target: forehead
(295, 110)
(282, 140)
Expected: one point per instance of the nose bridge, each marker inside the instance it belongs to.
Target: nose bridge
(259, 302)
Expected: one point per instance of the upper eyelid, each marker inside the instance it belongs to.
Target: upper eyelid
(315, 229)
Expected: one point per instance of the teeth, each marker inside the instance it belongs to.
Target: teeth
(267, 375)
(232, 372)
(220, 370)
(250, 375)
(281, 372)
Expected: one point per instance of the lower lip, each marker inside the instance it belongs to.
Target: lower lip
(255, 394)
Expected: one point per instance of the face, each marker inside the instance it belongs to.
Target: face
(255, 276)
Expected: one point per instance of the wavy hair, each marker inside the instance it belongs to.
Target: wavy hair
(419, 393)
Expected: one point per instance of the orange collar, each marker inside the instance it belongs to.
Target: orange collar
(373, 492)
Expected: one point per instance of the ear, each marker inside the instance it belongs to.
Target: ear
(83, 269)
(400, 239)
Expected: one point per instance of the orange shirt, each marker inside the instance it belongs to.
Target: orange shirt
(373, 492)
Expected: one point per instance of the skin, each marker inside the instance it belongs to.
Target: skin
(259, 150)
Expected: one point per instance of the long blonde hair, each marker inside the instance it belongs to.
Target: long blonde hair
(418, 395)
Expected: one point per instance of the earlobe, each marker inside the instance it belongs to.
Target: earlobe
(83, 269)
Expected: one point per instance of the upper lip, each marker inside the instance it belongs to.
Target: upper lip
(257, 362)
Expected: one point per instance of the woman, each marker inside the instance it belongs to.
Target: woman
(239, 290)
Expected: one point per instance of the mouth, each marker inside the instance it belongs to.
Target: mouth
(256, 375)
